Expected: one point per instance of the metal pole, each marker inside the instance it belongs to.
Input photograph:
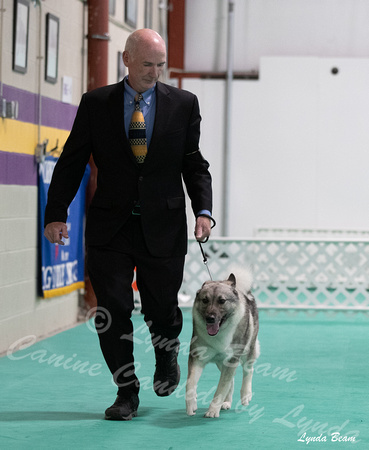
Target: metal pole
(98, 43)
(39, 57)
(2, 10)
(163, 30)
(228, 120)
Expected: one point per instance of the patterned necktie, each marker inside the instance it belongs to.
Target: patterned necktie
(137, 132)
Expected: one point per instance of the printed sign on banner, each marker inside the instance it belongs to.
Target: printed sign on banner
(62, 266)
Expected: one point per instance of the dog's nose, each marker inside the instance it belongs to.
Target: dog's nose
(210, 319)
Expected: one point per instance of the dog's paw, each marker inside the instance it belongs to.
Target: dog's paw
(246, 399)
(226, 405)
(191, 407)
(211, 413)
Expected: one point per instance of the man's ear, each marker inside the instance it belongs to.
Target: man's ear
(125, 58)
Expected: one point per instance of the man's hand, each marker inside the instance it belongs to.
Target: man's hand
(54, 232)
(202, 228)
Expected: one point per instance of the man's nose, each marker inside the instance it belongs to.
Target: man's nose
(154, 71)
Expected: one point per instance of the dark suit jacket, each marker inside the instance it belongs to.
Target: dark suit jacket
(173, 153)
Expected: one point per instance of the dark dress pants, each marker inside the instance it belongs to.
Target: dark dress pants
(111, 271)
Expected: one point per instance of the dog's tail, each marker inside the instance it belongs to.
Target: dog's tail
(244, 277)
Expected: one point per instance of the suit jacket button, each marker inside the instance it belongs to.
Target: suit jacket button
(140, 178)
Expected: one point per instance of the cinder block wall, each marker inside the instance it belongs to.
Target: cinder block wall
(22, 312)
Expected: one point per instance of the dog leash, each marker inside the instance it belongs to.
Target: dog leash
(205, 260)
(204, 242)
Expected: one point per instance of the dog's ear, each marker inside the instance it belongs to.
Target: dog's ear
(232, 279)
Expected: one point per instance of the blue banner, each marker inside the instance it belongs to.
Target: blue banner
(62, 266)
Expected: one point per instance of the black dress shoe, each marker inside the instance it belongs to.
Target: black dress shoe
(124, 408)
(167, 373)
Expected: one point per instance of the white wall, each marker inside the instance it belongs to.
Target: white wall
(329, 28)
(70, 43)
(299, 137)
(299, 147)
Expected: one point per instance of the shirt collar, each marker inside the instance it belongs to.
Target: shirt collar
(131, 93)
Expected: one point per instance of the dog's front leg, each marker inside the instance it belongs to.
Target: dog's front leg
(248, 370)
(224, 387)
(246, 388)
(194, 372)
(228, 399)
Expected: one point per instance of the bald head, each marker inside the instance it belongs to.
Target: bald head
(144, 56)
(143, 37)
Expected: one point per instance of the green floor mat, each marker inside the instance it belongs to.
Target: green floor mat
(310, 381)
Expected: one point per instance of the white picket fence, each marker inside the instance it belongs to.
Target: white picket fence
(292, 273)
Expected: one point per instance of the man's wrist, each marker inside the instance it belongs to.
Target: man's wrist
(206, 213)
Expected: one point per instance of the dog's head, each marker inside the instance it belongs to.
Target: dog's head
(216, 302)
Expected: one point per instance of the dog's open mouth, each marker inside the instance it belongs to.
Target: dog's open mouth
(213, 327)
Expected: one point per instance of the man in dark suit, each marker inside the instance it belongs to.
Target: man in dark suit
(137, 216)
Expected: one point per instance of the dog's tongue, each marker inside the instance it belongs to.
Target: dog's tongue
(212, 328)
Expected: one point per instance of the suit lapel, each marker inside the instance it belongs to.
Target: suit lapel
(116, 110)
(161, 113)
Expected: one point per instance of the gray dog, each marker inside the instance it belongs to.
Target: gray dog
(225, 329)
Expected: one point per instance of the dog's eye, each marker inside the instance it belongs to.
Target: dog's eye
(205, 300)
(221, 301)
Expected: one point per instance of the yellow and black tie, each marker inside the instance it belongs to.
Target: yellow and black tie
(137, 132)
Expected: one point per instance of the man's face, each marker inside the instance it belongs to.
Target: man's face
(145, 65)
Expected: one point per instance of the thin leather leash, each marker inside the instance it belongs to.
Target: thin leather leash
(205, 260)
(204, 242)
